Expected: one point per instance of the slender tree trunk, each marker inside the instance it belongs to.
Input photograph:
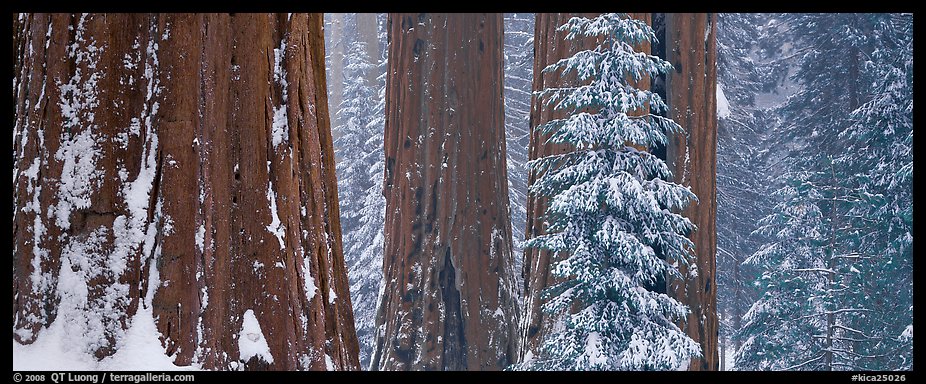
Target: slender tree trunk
(366, 32)
(737, 304)
(691, 90)
(831, 285)
(180, 171)
(447, 301)
(336, 53)
(723, 347)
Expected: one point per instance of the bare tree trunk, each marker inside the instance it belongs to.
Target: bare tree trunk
(737, 307)
(180, 167)
(448, 281)
(691, 90)
(723, 348)
(336, 53)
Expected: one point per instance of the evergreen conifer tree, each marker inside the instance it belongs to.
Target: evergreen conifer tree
(841, 232)
(612, 211)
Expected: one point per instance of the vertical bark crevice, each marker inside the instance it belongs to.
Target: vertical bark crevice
(446, 304)
(454, 344)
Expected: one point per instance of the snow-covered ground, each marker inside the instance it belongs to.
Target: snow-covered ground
(140, 350)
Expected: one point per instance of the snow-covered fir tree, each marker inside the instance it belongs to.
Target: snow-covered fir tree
(879, 151)
(787, 328)
(360, 167)
(519, 58)
(840, 233)
(612, 211)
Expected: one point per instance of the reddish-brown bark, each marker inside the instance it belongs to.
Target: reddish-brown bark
(692, 157)
(201, 92)
(448, 282)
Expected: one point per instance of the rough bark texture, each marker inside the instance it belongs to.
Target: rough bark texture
(549, 47)
(180, 167)
(692, 157)
(447, 300)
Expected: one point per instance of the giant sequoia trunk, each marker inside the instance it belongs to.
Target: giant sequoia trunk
(692, 157)
(447, 298)
(550, 46)
(178, 169)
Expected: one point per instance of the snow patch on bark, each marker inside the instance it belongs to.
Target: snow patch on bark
(39, 280)
(329, 365)
(141, 350)
(309, 285)
(723, 105)
(280, 124)
(251, 340)
(200, 237)
(275, 227)
(79, 174)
